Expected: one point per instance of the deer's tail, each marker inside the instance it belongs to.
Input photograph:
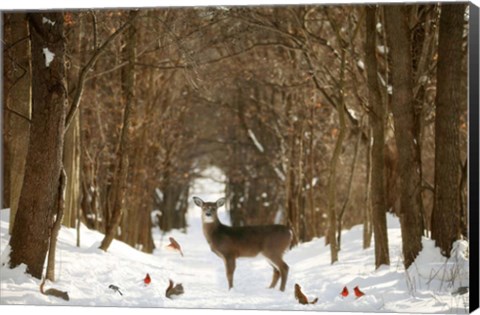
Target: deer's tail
(293, 237)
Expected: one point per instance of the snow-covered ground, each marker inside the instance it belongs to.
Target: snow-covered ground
(86, 273)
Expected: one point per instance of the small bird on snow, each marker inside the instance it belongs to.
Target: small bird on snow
(115, 288)
(344, 292)
(147, 279)
(358, 293)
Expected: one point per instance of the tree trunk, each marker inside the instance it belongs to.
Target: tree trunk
(347, 202)
(313, 228)
(121, 173)
(52, 247)
(446, 216)
(71, 160)
(367, 211)
(38, 198)
(18, 101)
(398, 38)
(377, 119)
(72, 156)
(332, 178)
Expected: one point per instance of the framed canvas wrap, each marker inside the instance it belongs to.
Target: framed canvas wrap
(284, 157)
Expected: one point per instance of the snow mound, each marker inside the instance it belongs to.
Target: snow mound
(444, 273)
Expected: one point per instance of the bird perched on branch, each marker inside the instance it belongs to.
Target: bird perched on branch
(358, 293)
(174, 245)
(147, 279)
(173, 290)
(302, 298)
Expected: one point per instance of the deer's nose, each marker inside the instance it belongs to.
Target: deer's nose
(208, 213)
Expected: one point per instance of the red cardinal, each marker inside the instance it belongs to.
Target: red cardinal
(358, 293)
(147, 279)
(344, 292)
(174, 245)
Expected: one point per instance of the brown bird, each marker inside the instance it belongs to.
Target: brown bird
(302, 299)
(147, 279)
(358, 293)
(344, 292)
(173, 290)
(174, 245)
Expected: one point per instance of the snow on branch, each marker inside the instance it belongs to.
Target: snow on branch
(48, 56)
(46, 20)
(279, 173)
(255, 141)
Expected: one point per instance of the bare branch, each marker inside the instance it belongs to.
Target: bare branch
(83, 73)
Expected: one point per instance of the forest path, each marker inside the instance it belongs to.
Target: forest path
(202, 273)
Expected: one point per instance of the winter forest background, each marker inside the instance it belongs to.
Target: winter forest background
(321, 118)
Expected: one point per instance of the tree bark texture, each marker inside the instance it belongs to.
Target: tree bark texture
(398, 38)
(446, 216)
(377, 119)
(38, 198)
(18, 100)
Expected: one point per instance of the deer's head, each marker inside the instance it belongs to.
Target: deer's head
(209, 209)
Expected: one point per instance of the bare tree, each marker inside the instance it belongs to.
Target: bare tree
(121, 172)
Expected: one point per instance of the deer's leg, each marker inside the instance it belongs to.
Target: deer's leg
(276, 276)
(281, 269)
(284, 274)
(230, 268)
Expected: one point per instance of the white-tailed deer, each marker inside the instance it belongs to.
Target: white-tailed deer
(229, 243)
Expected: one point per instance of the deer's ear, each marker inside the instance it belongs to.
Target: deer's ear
(198, 201)
(220, 202)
